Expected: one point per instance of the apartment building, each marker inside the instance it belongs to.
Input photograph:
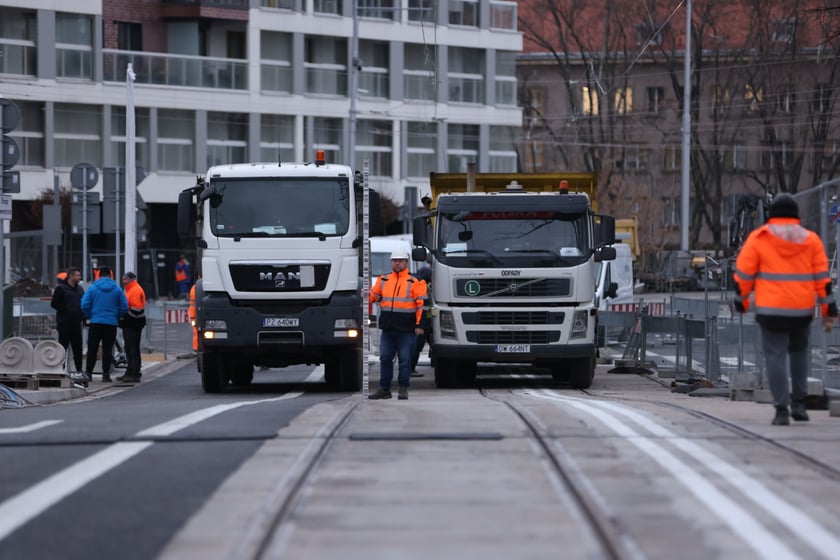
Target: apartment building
(226, 81)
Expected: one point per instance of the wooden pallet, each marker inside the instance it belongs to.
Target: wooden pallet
(18, 381)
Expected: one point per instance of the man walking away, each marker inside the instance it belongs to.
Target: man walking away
(400, 296)
(786, 266)
(132, 326)
(67, 302)
(103, 305)
(183, 276)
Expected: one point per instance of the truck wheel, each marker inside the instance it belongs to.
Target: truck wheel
(582, 371)
(445, 373)
(351, 370)
(466, 373)
(241, 374)
(212, 375)
(332, 369)
(560, 372)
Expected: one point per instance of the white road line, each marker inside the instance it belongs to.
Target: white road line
(30, 427)
(799, 523)
(742, 523)
(33, 501)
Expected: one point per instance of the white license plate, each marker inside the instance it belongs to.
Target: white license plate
(513, 348)
(281, 322)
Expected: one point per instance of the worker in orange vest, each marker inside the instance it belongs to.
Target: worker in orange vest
(192, 319)
(183, 276)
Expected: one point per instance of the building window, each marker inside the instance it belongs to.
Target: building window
(420, 149)
(29, 135)
(373, 143)
(753, 95)
(327, 7)
(463, 12)
(735, 158)
(783, 30)
(78, 134)
(822, 98)
(655, 97)
(280, 4)
(721, 96)
(589, 100)
(326, 135)
(227, 138)
(419, 74)
(502, 153)
(277, 138)
(74, 45)
(648, 33)
(129, 36)
(505, 78)
(672, 158)
(623, 100)
(670, 212)
(422, 10)
(18, 31)
(787, 100)
(503, 15)
(325, 65)
(379, 9)
(462, 147)
(141, 136)
(176, 138)
(373, 79)
(782, 151)
(276, 61)
(633, 159)
(466, 75)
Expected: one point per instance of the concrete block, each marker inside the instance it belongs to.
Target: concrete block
(834, 408)
(741, 395)
(762, 396)
(815, 386)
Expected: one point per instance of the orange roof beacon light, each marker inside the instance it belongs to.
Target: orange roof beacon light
(319, 157)
(564, 187)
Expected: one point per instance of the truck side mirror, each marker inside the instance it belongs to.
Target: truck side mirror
(606, 230)
(419, 230)
(186, 214)
(605, 254)
(419, 254)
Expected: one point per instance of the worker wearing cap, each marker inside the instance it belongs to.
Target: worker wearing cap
(400, 296)
(132, 325)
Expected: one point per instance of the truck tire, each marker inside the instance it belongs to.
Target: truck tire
(560, 371)
(332, 370)
(465, 373)
(213, 377)
(445, 373)
(582, 372)
(351, 370)
(241, 373)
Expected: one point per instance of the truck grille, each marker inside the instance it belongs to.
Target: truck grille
(255, 277)
(519, 337)
(510, 288)
(513, 318)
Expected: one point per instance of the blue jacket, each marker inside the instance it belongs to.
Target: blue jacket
(104, 303)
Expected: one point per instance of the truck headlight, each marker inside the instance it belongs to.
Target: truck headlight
(580, 324)
(447, 324)
(346, 328)
(215, 325)
(346, 324)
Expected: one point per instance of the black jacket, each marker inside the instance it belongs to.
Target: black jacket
(67, 301)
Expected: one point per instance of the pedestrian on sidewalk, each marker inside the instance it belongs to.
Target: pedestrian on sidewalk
(420, 340)
(103, 304)
(132, 326)
(786, 266)
(67, 302)
(400, 296)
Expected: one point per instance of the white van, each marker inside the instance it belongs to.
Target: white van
(381, 248)
(618, 272)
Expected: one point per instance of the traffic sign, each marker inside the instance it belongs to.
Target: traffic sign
(9, 155)
(11, 114)
(834, 214)
(83, 176)
(5, 207)
(10, 182)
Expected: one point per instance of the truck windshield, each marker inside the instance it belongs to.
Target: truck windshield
(513, 238)
(280, 207)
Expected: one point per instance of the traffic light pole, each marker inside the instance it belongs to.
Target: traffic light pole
(2, 248)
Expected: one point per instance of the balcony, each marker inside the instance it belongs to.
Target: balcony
(205, 9)
(326, 79)
(176, 70)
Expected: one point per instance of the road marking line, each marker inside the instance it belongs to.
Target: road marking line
(33, 501)
(742, 523)
(30, 427)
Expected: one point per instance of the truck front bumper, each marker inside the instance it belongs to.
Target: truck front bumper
(542, 353)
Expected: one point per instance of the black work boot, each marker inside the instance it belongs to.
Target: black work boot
(798, 412)
(782, 417)
(403, 395)
(380, 394)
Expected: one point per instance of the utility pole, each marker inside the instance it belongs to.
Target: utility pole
(355, 68)
(686, 133)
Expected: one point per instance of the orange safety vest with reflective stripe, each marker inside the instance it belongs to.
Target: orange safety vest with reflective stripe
(401, 297)
(192, 318)
(786, 266)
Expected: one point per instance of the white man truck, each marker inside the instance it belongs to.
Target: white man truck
(280, 252)
(513, 273)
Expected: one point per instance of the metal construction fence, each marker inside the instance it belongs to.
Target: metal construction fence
(705, 338)
(168, 330)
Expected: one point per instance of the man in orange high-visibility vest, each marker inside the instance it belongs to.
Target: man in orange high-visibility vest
(192, 319)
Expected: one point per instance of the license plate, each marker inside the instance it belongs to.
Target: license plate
(513, 348)
(281, 322)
